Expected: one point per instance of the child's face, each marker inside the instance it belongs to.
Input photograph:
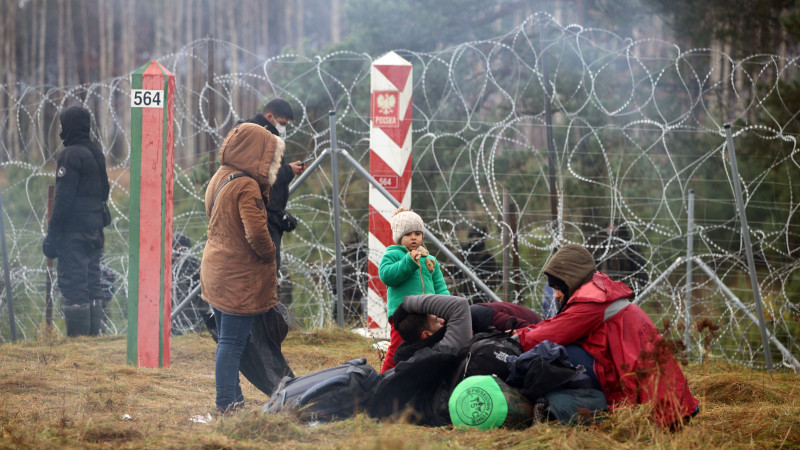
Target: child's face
(412, 241)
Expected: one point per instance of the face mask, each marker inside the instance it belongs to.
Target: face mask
(281, 129)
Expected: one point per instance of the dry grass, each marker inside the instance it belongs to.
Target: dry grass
(73, 393)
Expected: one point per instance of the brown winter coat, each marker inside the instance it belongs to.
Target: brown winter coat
(238, 272)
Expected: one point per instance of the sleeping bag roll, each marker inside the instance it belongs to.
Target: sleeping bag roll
(486, 402)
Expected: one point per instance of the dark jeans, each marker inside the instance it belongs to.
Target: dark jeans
(78, 269)
(233, 333)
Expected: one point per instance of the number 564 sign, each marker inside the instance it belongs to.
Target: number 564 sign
(143, 98)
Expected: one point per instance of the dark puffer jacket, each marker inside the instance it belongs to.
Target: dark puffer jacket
(81, 179)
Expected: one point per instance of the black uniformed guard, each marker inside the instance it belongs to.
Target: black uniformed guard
(75, 232)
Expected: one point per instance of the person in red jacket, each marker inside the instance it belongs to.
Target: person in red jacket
(632, 362)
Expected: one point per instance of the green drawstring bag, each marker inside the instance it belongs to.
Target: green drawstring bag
(486, 402)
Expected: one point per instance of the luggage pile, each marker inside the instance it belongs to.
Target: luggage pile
(490, 383)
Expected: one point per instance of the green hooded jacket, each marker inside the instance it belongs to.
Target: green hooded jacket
(403, 276)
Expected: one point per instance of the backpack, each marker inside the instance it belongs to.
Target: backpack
(545, 368)
(487, 354)
(328, 394)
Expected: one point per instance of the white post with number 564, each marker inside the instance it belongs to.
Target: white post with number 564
(144, 98)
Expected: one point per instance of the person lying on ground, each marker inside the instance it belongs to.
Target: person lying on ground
(434, 328)
(441, 322)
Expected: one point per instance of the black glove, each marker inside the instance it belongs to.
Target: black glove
(50, 246)
(288, 222)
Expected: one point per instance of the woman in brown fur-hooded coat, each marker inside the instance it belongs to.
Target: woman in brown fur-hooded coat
(237, 273)
(238, 270)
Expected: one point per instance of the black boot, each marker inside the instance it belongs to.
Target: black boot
(96, 322)
(78, 319)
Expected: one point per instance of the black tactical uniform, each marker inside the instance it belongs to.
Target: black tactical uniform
(75, 232)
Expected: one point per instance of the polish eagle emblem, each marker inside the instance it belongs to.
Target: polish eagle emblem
(386, 103)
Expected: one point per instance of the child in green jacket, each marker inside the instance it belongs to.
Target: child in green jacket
(407, 269)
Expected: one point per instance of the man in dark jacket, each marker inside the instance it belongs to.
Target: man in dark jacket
(432, 320)
(435, 328)
(75, 232)
(275, 115)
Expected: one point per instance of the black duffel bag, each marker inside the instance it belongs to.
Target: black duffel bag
(328, 394)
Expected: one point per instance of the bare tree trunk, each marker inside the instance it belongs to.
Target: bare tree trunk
(104, 36)
(4, 100)
(266, 29)
(85, 71)
(61, 55)
(178, 27)
(40, 10)
(281, 24)
(127, 62)
(219, 30)
(234, 55)
(299, 29)
(128, 38)
(71, 72)
(42, 69)
(336, 20)
(28, 44)
(193, 30)
(158, 33)
(10, 45)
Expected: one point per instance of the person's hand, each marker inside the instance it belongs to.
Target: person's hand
(298, 167)
(415, 255)
(50, 246)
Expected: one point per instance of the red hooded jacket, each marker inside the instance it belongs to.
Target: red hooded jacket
(633, 363)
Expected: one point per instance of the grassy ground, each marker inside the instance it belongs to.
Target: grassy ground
(73, 393)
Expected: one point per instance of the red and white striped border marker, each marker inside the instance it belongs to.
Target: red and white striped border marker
(390, 164)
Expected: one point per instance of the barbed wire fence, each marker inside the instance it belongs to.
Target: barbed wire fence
(634, 126)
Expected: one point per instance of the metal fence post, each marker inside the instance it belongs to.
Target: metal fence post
(689, 249)
(748, 247)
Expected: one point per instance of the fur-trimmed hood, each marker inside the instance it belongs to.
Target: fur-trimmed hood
(255, 151)
(238, 273)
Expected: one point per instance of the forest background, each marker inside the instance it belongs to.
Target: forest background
(57, 43)
(58, 51)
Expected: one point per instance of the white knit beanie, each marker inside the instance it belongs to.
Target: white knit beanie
(404, 222)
